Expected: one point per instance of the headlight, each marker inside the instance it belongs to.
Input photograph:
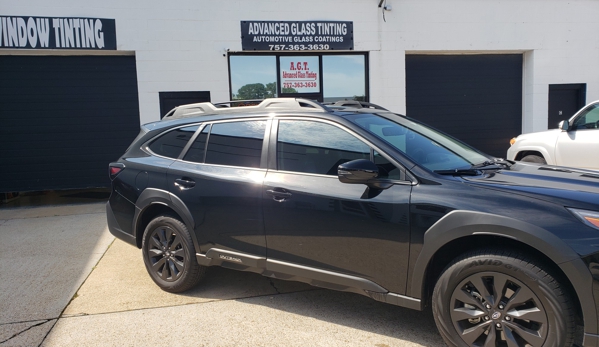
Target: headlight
(512, 141)
(590, 218)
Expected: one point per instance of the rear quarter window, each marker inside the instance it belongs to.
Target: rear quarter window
(172, 143)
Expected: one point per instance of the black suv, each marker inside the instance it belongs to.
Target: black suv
(366, 201)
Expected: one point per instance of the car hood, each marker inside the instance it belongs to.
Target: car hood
(547, 134)
(568, 186)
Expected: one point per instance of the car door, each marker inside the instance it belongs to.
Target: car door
(578, 147)
(314, 221)
(219, 179)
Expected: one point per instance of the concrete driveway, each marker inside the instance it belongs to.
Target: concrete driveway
(65, 281)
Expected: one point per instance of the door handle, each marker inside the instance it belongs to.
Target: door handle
(184, 184)
(279, 194)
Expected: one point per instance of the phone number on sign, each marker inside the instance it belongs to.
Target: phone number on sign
(298, 47)
(300, 85)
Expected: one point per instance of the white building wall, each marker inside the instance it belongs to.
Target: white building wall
(555, 37)
(179, 45)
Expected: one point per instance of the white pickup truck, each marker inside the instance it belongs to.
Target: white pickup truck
(575, 143)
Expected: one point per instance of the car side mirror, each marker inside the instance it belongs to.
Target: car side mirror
(357, 171)
(361, 171)
(564, 125)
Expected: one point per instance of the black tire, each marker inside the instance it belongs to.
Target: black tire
(169, 255)
(487, 297)
(531, 158)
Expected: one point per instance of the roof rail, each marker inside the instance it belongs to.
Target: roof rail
(208, 108)
(355, 104)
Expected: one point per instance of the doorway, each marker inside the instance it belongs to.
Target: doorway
(564, 101)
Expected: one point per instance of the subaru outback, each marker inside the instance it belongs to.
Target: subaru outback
(367, 201)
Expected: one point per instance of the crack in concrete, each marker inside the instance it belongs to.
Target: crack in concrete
(48, 332)
(27, 329)
(273, 285)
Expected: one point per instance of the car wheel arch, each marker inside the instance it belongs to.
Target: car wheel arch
(153, 202)
(523, 154)
(470, 230)
(541, 151)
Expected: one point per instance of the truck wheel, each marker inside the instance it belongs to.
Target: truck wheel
(499, 298)
(531, 158)
(169, 255)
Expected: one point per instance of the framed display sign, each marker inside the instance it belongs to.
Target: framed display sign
(296, 36)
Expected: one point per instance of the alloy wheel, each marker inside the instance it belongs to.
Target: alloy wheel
(494, 309)
(166, 253)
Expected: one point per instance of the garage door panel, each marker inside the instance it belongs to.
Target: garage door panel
(64, 119)
(44, 171)
(66, 131)
(475, 98)
(54, 137)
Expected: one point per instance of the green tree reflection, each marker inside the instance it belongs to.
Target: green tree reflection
(259, 91)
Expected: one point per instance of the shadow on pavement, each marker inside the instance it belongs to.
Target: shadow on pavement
(120, 285)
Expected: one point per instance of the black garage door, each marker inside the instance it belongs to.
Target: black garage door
(63, 119)
(475, 98)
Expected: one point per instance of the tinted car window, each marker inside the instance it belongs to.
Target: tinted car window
(236, 143)
(172, 143)
(314, 147)
(588, 120)
(198, 148)
(428, 147)
(387, 169)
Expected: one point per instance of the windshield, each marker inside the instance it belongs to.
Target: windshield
(428, 147)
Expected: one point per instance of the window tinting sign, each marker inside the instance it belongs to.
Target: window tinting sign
(296, 36)
(18, 32)
(300, 74)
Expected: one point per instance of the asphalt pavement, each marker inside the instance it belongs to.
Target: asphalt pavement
(66, 281)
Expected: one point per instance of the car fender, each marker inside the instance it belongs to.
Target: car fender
(547, 153)
(458, 224)
(151, 196)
